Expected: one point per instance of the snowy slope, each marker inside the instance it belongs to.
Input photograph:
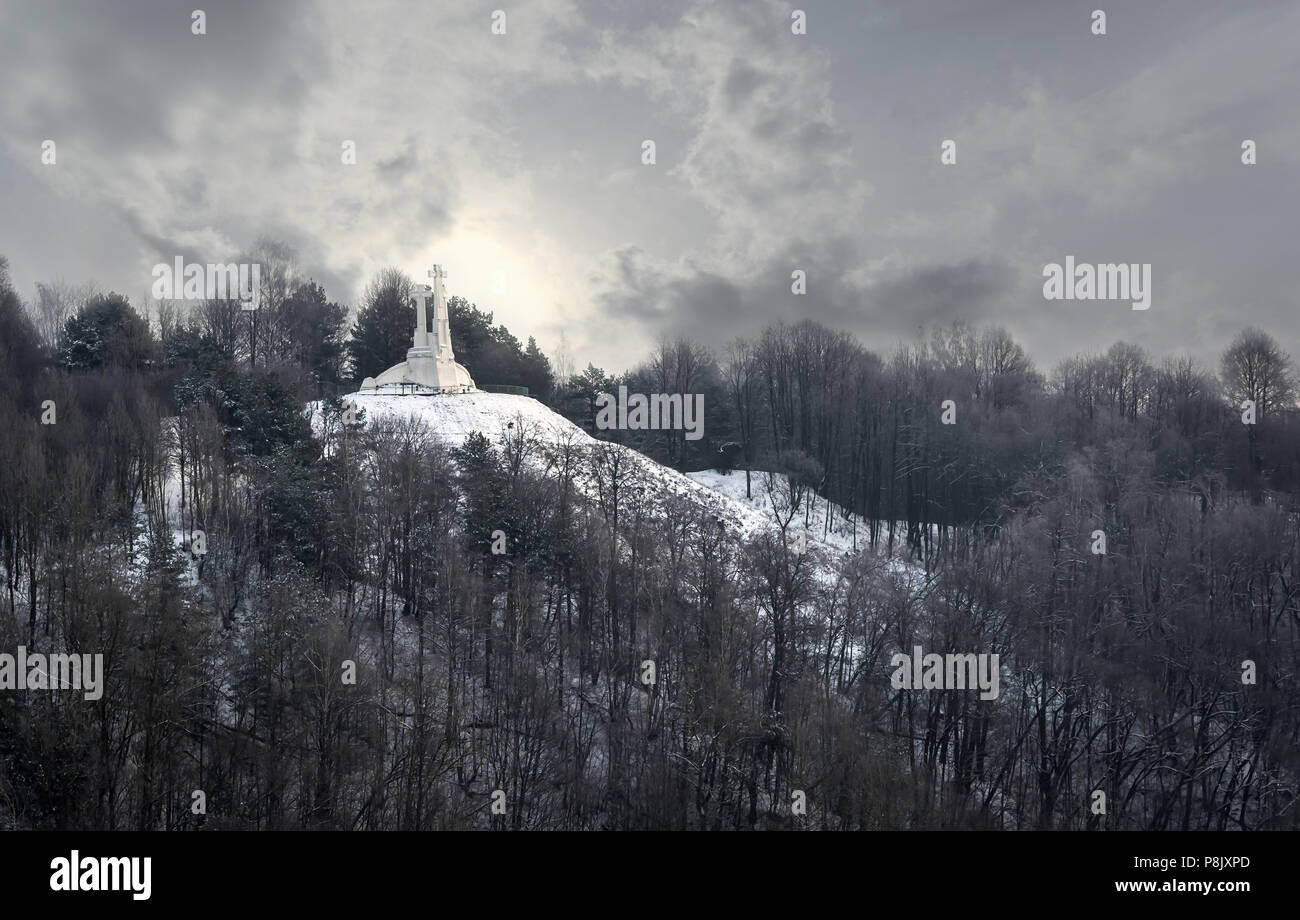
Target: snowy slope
(454, 417)
(824, 521)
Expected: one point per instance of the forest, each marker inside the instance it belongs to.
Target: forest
(507, 691)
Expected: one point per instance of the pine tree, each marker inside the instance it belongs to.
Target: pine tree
(382, 333)
(106, 331)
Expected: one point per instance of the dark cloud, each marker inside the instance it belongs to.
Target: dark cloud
(935, 295)
(400, 165)
(112, 76)
(162, 248)
(899, 305)
(776, 152)
(742, 81)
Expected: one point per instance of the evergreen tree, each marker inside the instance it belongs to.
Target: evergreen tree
(492, 355)
(20, 349)
(314, 332)
(106, 332)
(382, 333)
(537, 375)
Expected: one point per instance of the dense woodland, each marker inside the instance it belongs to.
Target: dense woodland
(521, 672)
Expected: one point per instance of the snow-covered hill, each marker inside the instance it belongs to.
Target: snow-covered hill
(454, 417)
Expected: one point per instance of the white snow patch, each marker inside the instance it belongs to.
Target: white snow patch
(453, 417)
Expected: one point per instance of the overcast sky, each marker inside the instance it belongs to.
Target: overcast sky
(521, 154)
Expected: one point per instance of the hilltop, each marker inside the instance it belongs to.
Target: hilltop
(452, 418)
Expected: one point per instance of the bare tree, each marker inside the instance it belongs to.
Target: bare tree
(741, 373)
(1256, 368)
(55, 302)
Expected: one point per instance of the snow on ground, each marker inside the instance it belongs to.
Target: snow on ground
(824, 521)
(453, 417)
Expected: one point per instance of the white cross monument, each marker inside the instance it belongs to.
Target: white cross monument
(430, 364)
